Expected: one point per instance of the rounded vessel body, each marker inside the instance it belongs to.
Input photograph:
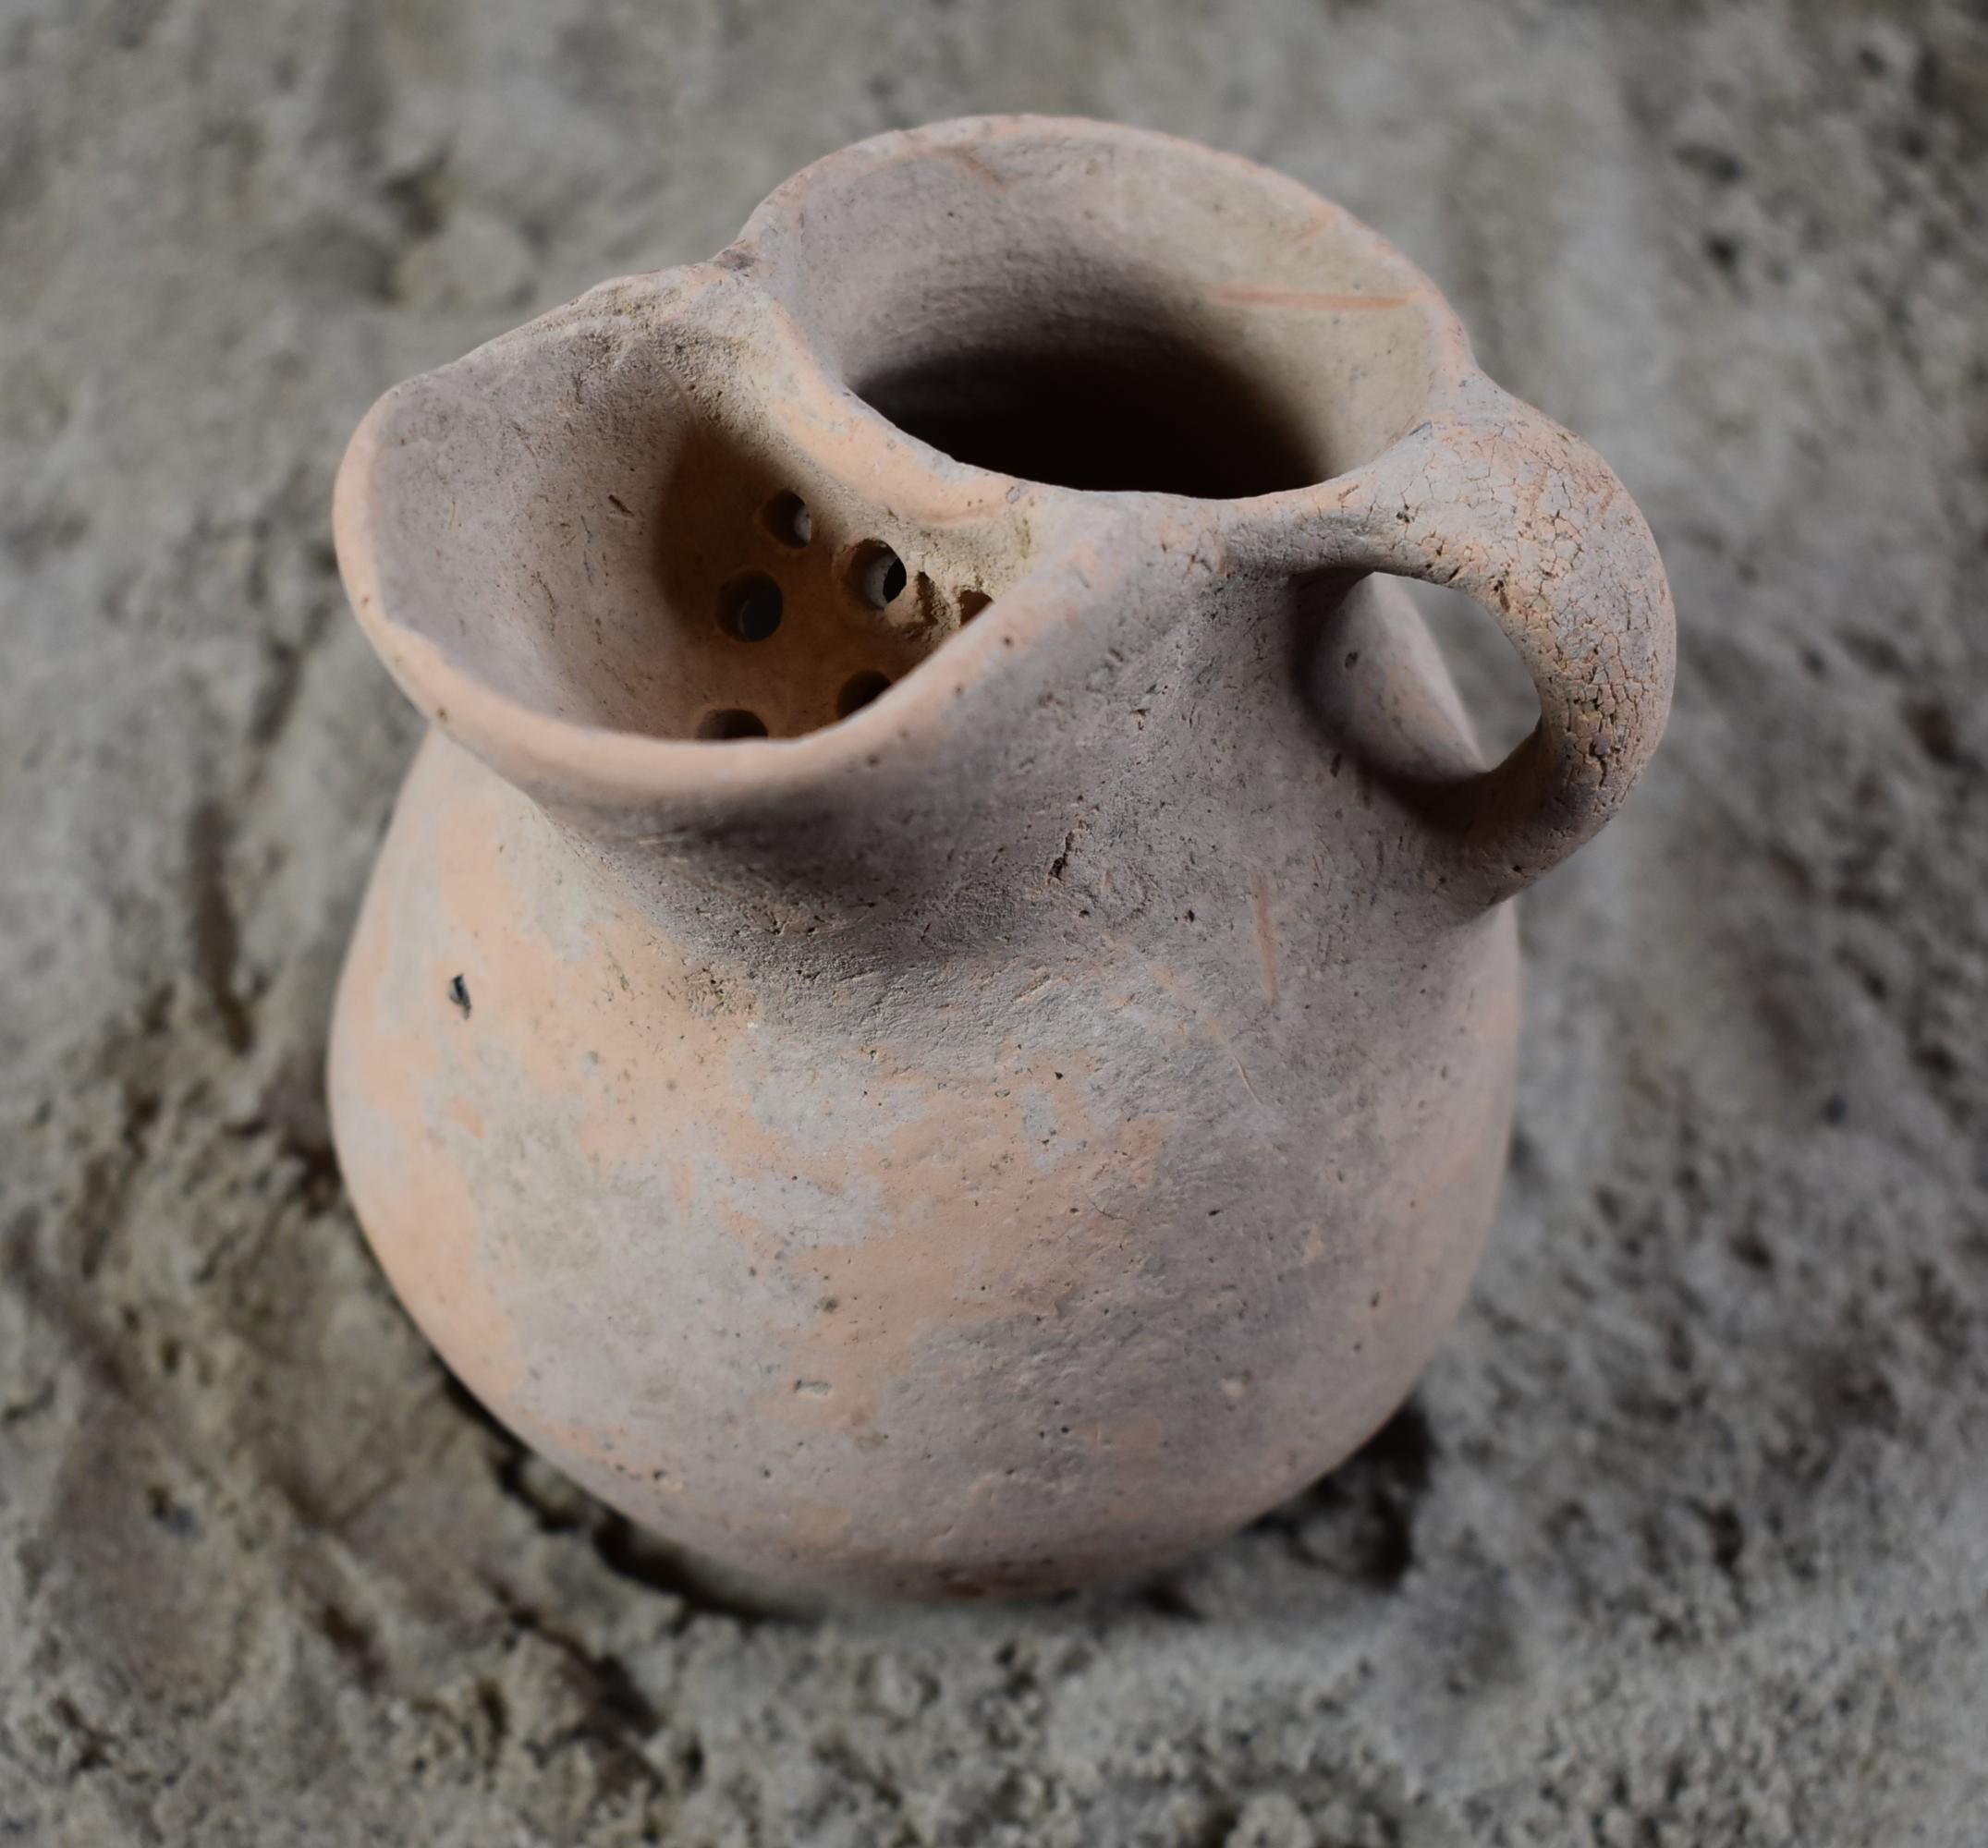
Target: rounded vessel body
(937, 1012)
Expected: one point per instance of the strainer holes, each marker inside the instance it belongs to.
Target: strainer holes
(787, 517)
(731, 722)
(749, 607)
(859, 690)
(877, 575)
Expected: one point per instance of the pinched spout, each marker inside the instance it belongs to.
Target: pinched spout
(835, 589)
(654, 565)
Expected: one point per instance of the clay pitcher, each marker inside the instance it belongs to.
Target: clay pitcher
(937, 1014)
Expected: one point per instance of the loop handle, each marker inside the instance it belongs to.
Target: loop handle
(1497, 500)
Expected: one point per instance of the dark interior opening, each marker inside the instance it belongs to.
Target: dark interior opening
(1144, 410)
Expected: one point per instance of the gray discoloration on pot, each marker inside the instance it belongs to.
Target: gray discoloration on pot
(1018, 1132)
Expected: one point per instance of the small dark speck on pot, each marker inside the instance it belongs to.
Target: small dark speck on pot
(458, 992)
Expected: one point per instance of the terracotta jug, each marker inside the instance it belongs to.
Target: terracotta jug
(937, 1014)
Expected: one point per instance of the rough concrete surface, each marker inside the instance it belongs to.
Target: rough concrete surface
(1684, 1540)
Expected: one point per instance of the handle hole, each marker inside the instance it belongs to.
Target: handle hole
(1497, 693)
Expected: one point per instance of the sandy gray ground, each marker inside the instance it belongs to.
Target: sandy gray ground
(1685, 1539)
